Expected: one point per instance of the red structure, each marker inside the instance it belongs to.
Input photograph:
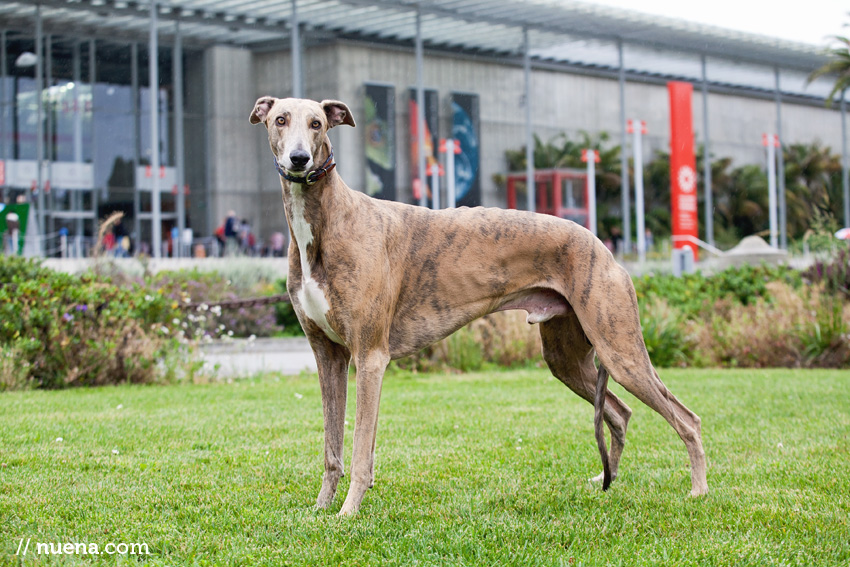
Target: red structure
(559, 192)
(683, 176)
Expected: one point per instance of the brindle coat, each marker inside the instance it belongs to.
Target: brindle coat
(375, 280)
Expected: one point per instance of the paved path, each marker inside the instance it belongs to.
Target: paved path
(241, 357)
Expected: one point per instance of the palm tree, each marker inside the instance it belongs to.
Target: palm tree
(838, 65)
(812, 185)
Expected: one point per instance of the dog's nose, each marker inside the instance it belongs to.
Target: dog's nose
(299, 159)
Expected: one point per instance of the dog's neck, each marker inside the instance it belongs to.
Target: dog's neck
(306, 211)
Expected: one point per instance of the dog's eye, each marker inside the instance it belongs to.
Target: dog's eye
(281, 121)
(315, 125)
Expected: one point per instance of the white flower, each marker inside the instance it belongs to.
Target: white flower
(164, 330)
(252, 338)
(175, 321)
(148, 298)
(203, 307)
(216, 310)
(187, 300)
(298, 396)
(59, 439)
(119, 406)
(229, 333)
(114, 451)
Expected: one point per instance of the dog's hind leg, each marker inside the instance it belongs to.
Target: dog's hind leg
(570, 358)
(619, 344)
(332, 361)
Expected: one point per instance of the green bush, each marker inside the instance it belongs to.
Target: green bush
(694, 295)
(664, 333)
(285, 313)
(81, 330)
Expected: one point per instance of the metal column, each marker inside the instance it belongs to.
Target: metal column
(845, 161)
(78, 129)
(706, 158)
(4, 155)
(529, 126)
(137, 145)
(420, 111)
(39, 144)
(783, 216)
(295, 37)
(177, 66)
(624, 159)
(153, 68)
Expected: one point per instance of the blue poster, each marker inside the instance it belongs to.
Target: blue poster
(465, 129)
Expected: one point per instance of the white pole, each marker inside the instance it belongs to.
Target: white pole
(179, 139)
(451, 190)
(295, 46)
(624, 159)
(591, 191)
(39, 144)
(435, 187)
(639, 204)
(845, 161)
(420, 112)
(153, 64)
(529, 128)
(771, 188)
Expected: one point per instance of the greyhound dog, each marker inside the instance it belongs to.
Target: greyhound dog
(372, 281)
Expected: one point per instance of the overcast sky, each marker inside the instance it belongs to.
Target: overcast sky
(811, 21)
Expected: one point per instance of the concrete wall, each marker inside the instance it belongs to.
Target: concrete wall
(561, 102)
(232, 147)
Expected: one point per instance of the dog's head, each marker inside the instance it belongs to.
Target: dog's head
(298, 128)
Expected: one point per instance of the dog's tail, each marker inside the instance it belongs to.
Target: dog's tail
(598, 406)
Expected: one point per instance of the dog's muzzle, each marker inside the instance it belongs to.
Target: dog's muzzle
(311, 177)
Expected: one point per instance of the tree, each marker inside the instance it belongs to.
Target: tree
(812, 185)
(838, 65)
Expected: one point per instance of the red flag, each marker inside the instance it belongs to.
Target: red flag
(683, 175)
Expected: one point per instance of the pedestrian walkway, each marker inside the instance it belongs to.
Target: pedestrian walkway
(243, 357)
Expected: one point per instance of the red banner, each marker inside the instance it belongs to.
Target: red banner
(683, 175)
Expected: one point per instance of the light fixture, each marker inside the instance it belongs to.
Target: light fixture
(26, 59)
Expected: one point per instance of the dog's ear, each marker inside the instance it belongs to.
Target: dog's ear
(337, 113)
(261, 109)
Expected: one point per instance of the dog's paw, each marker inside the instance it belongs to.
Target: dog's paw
(325, 498)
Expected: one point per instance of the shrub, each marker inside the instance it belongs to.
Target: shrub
(664, 333)
(694, 295)
(80, 330)
(833, 274)
(791, 330)
(285, 313)
(209, 288)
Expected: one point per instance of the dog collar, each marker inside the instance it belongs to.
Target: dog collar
(311, 177)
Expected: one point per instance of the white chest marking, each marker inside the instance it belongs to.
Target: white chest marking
(311, 296)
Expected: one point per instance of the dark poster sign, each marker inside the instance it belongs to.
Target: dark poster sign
(379, 114)
(432, 116)
(465, 129)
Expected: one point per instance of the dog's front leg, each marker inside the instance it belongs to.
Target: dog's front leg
(370, 377)
(332, 361)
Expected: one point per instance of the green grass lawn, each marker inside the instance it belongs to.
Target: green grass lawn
(480, 469)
